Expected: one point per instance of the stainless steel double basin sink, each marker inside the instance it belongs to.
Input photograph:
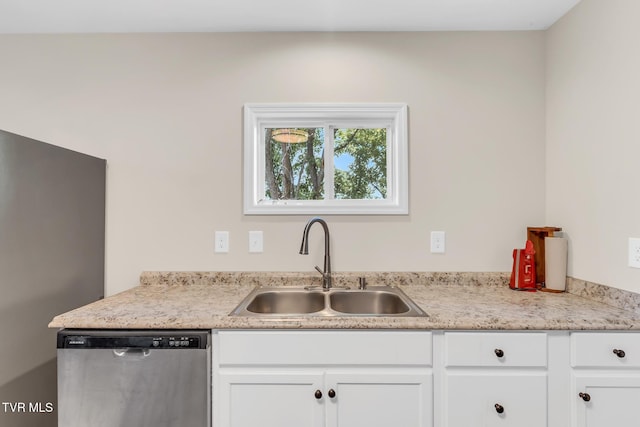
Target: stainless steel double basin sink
(300, 302)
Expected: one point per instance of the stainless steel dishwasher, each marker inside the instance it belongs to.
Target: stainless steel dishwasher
(127, 378)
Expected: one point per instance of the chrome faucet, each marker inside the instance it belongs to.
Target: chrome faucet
(304, 250)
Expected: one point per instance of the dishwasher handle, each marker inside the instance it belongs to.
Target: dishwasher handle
(131, 353)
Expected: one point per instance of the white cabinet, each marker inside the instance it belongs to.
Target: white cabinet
(374, 378)
(286, 399)
(257, 398)
(605, 379)
(607, 399)
(494, 379)
(379, 398)
(496, 398)
(322, 378)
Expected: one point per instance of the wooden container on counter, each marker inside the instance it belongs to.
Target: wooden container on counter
(537, 235)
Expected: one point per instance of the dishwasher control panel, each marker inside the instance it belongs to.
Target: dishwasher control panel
(132, 339)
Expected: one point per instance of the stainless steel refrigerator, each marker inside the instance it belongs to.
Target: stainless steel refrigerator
(52, 248)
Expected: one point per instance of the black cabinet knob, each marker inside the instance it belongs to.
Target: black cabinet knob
(499, 352)
(318, 394)
(499, 408)
(331, 393)
(619, 353)
(585, 396)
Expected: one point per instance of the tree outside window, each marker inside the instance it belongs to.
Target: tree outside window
(296, 169)
(325, 158)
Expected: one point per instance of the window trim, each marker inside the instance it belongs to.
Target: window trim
(259, 116)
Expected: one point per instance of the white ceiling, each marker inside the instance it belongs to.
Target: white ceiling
(115, 16)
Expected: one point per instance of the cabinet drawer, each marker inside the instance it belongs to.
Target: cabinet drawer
(325, 348)
(495, 349)
(605, 349)
(496, 399)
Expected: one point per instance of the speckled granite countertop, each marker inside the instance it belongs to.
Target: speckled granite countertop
(463, 301)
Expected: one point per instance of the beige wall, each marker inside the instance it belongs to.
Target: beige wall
(165, 111)
(593, 137)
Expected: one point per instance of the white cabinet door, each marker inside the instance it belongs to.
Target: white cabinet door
(270, 399)
(281, 399)
(492, 398)
(375, 399)
(610, 399)
(322, 379)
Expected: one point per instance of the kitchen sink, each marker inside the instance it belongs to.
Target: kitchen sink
(368, 302)
(299, 302)
(286, 302)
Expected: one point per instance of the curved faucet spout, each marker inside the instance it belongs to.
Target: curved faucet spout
(304, 249)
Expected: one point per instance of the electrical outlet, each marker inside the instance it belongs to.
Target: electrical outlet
(255, 242)
(222, 241)
(437, 242)
(634, 252)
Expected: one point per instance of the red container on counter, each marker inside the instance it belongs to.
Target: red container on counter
(523, 273)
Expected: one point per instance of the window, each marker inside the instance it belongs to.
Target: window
(325, 159)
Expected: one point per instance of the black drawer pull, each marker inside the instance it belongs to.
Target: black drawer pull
(619, 353)
(318, 394)
(499, 408)
(499, 352)
(585, 396)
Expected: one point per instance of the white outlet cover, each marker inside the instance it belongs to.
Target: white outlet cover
(437, 242)
(634, 252)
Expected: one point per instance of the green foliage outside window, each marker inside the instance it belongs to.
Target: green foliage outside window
(296, 171)
(365, 153)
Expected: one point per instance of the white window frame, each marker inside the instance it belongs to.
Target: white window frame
(392, 116)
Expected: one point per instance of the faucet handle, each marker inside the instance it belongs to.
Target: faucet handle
(320, 271)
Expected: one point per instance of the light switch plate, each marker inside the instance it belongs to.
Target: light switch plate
(255, 242)
(437, 242)
(222, 242)
(634, 252)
